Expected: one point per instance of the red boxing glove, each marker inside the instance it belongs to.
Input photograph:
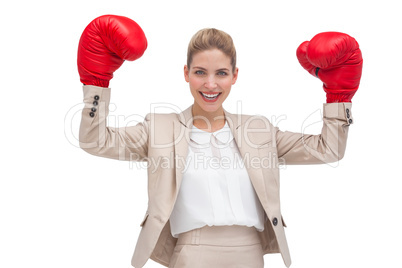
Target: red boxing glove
(104, 45)
(335, 58)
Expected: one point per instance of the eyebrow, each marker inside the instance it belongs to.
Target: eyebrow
(201, 68)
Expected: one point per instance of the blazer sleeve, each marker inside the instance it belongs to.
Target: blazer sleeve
(96, 138)
(327, 147)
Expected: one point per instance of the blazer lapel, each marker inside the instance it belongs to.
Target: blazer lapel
(248, 154)
(182, 129)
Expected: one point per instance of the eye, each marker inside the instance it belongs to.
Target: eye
(222, 73)
(199, 72)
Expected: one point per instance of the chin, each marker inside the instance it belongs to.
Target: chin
(211, 108)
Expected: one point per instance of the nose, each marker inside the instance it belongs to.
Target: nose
(210, 82)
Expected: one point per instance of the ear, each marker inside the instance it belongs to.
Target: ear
(235, 74)
(186, 73)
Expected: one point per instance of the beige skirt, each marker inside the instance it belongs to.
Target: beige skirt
(218, 247)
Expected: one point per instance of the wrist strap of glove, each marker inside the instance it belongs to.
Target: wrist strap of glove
(340, 95)
(95, 81)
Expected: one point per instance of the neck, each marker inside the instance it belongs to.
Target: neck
(208, 121)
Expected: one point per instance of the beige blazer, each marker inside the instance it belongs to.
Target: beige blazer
(162, 141)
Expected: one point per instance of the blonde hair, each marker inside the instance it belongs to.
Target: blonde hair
(211, 38)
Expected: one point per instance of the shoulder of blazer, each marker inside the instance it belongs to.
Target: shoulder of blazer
(161, 128)
(161, 118)
(184, 117)
(160, 122)
(249, 121)
(256, 129)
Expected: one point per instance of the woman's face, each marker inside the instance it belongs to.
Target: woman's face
(210, 77)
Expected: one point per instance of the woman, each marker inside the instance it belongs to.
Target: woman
(213, 176)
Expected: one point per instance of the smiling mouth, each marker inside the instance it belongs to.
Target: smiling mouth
(210, 97)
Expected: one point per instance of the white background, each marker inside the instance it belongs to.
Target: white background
(61, 207)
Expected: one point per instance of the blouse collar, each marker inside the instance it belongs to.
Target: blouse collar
(224, 135)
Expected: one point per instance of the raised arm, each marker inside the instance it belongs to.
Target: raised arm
(335, 58)
(105, 44)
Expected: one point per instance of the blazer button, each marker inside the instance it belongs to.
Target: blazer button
(93, 109)
(95, 103)
(350, 121)
(91, 114)
(96, 97)
(275, 221)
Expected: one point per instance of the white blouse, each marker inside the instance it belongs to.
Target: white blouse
(216, 189)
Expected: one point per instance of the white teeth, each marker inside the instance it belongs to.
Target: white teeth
(210, 95)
